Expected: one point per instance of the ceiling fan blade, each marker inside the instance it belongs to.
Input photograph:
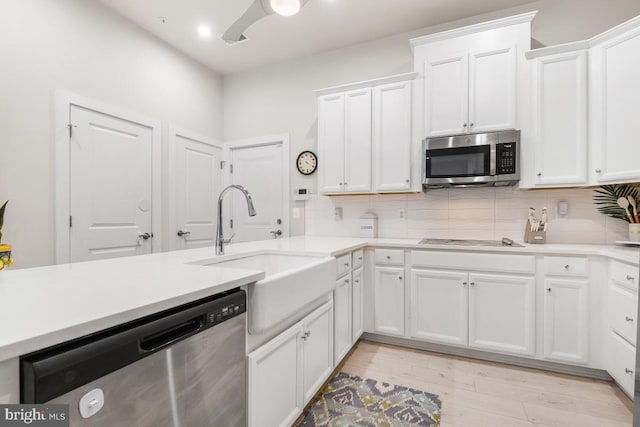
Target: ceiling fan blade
(255, 12)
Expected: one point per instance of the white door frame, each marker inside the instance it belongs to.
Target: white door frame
(174, 133)
(63, 100)
(282, 138)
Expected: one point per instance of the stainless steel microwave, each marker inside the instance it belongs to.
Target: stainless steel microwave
(472, 160)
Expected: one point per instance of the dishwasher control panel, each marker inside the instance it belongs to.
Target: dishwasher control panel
(230, 309)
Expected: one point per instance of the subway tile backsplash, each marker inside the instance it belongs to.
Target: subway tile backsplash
(477, 213)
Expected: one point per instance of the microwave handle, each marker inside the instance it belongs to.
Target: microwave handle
(492, 160)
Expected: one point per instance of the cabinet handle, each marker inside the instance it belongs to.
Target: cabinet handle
(628, 371)
(472, 124)
(345, 183)
(357, 281)
(306, 335)
(464, 283)
(346, 264)
(359, 258)
(548, 289)
(472, 283)
(630, 277)
(628, 319)
(598, 170)
(566, 267)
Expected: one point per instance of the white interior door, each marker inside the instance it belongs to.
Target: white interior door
(198, 183)
(262, 171)
(110, 186)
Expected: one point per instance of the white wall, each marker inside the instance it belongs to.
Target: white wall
(477, 213)
(278, 98)
(82, 47)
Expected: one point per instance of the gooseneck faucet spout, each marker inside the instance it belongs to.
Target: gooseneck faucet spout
(220, 241)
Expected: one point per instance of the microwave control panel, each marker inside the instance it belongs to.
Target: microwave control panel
(506, 158)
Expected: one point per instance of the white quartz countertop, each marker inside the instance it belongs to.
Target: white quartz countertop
(40, 307)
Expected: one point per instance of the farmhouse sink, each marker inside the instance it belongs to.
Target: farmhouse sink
(290, 283)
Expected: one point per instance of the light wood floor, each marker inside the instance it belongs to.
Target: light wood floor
(477, 394)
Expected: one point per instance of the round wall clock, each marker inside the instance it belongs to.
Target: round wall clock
(307, 162)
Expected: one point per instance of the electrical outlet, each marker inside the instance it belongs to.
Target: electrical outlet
(337, 214)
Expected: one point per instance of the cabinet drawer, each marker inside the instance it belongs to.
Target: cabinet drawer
(343, 265)
(566, 266)
(622, 362)
(524, 264)
(389, 256)
(624, 274)
(358, 258)
(623, 310)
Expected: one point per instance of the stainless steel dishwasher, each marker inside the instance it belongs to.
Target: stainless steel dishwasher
(182, 368)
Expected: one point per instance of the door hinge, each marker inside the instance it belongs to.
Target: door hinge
(222, 162)
(231, 223)
(70, 221)
(231, 168)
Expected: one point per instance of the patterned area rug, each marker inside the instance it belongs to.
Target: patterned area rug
(353, 401)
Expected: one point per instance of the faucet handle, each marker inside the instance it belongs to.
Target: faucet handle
(227, 241)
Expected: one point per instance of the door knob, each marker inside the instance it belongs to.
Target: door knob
(183, 233)
(276, 233)
(145, 236)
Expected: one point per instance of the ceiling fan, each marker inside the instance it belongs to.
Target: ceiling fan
(258, 10)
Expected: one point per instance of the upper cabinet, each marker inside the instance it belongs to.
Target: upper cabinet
(470, 92)
(583, 106)
(365, 138)
(472, 76)
(560, 119)
(615, 95)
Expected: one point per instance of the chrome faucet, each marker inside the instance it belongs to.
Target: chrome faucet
(220, 241)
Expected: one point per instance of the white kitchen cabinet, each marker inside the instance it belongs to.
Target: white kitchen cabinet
(614, 89)
(342, 315)
(392, 137)
(389, 300)
(317, 350)
(439, 306)
(566, 320)
(470, 92)
(502, 313)
(621, 363)
(344, 142)
(560, 119)
(279, 362)
(357, 304)
(297, 362)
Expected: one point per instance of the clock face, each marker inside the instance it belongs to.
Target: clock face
(307, 163)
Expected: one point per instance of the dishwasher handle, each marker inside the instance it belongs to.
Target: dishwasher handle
(171, 334)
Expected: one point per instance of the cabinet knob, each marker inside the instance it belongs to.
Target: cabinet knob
(598, 170)
(628, 371)
(399, 277)
(472, 283)
(464, 283)
(566, 267)
(340, 184)
(464, 125)
(345, 183)
(306, 335)
(346, 264)
(389, 257)
(472, 124)
(631, 278)
(548, 289)
(628, 319)
(359, 258)
(357, 281)
(539, 173)
(183, 233)
(407, 181)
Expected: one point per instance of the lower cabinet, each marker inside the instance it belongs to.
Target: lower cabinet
(388, 290)
(343, 310)
(484, 311)
(284, 374)
(566, 320)
(357, 317)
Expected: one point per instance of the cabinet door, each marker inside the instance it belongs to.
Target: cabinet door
(446, 95)
(566, 320)
(439, 306)
(357, 318)
(615, 105)
(388, 290)
(502, 313)
(331, 143)
(342, 316)
(560, 119)
(277, 363)
(492, 90)
(392, 137)
(317, 350)
(357, 169)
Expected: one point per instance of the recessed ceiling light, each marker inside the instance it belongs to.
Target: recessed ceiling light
(204, 31)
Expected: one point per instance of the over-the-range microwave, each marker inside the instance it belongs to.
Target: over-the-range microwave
(472, 160)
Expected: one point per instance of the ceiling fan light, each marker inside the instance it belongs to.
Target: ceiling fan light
(285, 7)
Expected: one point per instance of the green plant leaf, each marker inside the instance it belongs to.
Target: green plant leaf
(606, 199)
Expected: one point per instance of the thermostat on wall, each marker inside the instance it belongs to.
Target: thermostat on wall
(301, 193)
